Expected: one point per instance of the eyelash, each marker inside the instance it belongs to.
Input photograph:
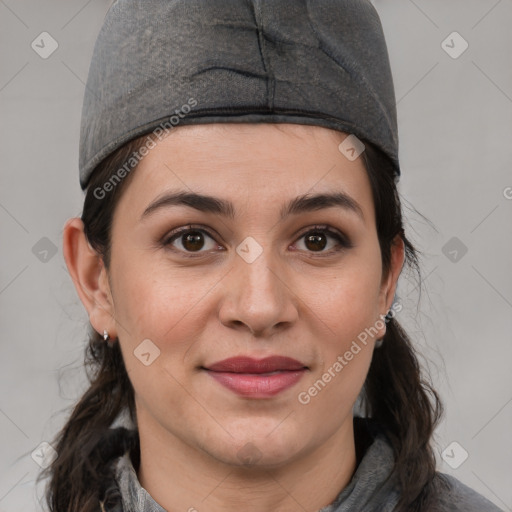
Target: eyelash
(343, 241)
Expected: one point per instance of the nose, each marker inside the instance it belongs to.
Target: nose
(258, 296)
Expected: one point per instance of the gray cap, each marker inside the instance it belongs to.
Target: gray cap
(165, 63)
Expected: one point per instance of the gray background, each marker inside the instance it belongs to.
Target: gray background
(455, 119)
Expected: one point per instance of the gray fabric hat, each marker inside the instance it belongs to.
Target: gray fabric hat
(164, 63)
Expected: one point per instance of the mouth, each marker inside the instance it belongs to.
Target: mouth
(254, 378)
(246, 364)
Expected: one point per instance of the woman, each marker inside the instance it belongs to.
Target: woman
(238, 255)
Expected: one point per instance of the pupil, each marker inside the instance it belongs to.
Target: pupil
(317, 240)
(193, 241)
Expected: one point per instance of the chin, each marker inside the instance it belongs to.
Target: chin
(257, 445)
(254, 455)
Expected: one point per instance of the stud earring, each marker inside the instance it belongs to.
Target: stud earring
(379, 343)
(108, 339)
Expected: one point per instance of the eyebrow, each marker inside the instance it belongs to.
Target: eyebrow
(209, 204)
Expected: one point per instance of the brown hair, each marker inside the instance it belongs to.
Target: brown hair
(395, 392)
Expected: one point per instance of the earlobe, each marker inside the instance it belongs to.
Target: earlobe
(89, 276)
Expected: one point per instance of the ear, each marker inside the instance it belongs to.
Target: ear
(389, 282)
(89, 276)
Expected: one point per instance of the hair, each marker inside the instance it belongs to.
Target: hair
(395, 394)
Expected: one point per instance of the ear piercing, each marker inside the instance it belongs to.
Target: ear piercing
(107, 338)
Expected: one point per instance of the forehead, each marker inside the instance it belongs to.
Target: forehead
(249, 164)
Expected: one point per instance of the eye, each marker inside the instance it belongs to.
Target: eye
(316, 240)
(190, 239)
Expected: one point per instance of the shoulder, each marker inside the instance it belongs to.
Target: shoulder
(454, 496)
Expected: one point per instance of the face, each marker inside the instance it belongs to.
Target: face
(273, 273)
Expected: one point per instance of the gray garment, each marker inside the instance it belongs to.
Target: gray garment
(369, 490)
(135, 497)
(162, 63)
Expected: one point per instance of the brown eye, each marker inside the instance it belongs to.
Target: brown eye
(191, 240)
(316, 241)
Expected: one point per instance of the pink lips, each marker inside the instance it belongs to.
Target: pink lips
(257, 378)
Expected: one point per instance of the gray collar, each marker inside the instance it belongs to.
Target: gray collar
(135, 497)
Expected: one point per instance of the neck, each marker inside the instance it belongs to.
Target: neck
(180, 477)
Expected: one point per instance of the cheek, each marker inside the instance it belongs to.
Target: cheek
(349, 299)
(347, 306)
(348, 310)
(162, 303)
(151, 302)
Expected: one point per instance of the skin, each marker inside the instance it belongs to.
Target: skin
(289, 301)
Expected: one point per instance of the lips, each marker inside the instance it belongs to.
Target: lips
(254, 378)
(249, 365)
